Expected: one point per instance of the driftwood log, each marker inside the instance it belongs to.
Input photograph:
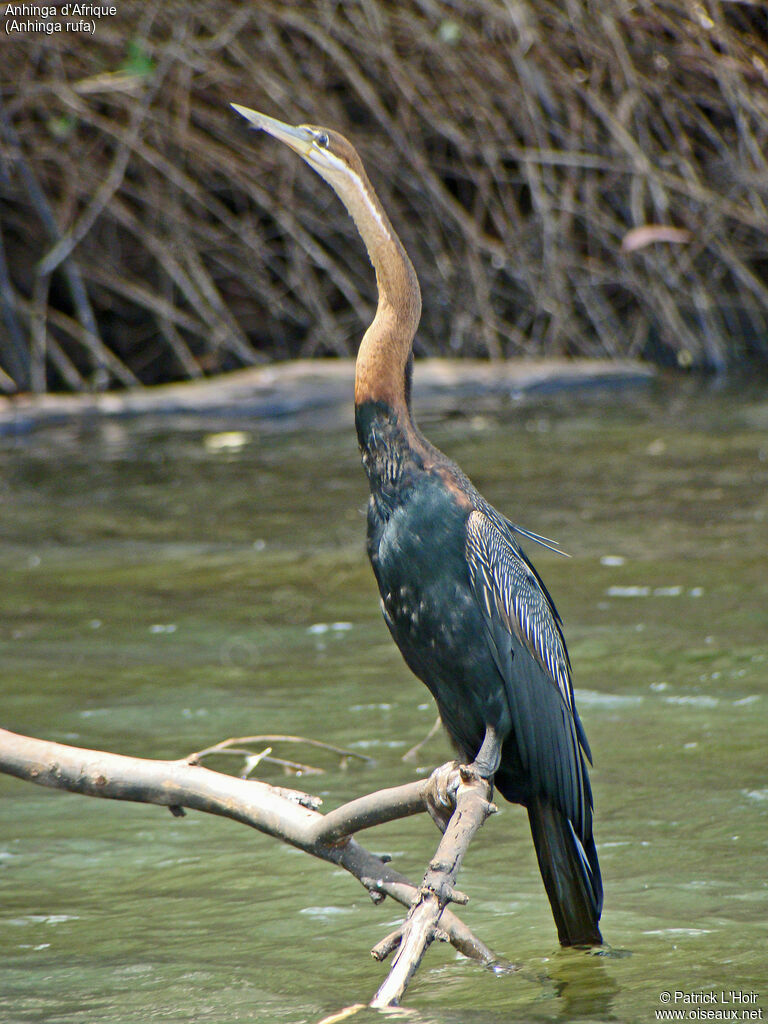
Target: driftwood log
(456, 798)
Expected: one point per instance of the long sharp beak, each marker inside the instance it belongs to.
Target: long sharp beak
(298, 138)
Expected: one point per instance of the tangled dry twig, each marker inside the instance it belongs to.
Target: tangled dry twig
(147, 237)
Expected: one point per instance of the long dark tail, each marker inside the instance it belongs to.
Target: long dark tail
(571, 875)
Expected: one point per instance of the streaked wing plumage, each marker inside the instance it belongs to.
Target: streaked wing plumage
(524, 636)
(509, 587)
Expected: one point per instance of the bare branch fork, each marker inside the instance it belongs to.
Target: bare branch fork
(423, 923)
(292, 817)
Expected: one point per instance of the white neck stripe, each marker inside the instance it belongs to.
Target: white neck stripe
(353, 179)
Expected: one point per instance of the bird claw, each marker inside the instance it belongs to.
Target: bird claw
(441, 793)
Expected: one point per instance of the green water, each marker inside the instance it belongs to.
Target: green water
(159, 595)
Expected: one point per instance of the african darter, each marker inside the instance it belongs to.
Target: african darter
(464, 604)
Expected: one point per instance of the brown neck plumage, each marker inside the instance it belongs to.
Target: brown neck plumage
(386, 346)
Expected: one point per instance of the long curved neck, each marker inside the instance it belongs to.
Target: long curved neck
(380, 371)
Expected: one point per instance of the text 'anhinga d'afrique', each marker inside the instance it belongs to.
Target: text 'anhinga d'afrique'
(465, 606)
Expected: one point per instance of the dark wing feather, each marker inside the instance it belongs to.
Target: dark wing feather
(526, 641)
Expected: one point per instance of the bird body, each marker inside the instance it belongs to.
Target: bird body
(417, 528)
(465, 606)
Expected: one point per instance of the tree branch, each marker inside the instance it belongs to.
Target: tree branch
(426, 919)
(287, 815)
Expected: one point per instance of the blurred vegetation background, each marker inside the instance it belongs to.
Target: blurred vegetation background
(569, 177)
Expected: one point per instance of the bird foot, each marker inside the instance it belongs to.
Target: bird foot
(441, 793)
(443, 785)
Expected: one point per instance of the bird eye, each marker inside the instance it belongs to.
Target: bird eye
(322, 140)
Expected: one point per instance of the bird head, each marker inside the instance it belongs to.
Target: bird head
(379, 373)
(326, 151)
